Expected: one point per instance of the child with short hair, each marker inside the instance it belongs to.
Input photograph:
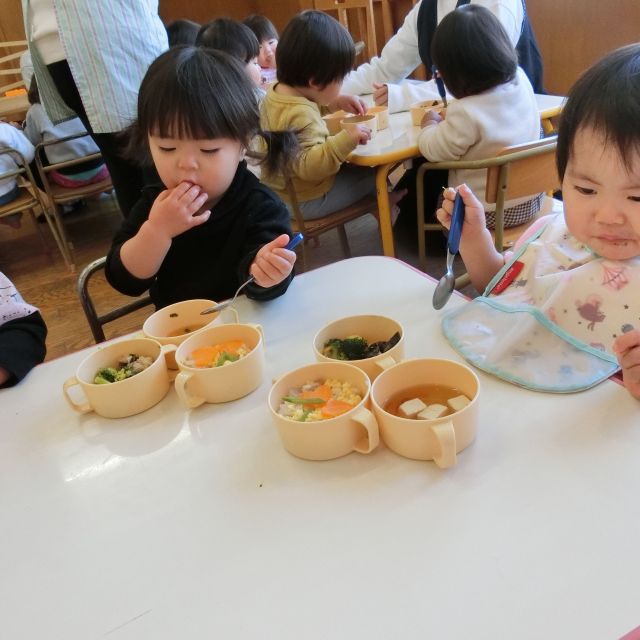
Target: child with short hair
(182, 32)
(562, 313)
(267, 37)
(313, 56)
(211, 223)
(236, 39)
(494, 106)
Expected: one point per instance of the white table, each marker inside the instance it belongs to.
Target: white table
(199, 525)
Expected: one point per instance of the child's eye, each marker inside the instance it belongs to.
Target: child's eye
(209, 151)
(167, 148)
(634, 198)
(584, 190)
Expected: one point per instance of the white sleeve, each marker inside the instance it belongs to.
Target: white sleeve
(402, 95)
(14, 138)
(449, 139)
(399, 57)
(509, 12)
(32, 126)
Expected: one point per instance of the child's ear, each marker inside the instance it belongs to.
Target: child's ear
(316, 86)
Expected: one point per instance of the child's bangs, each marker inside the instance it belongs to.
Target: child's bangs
(186, 116)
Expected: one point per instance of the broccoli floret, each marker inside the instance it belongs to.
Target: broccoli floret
(332, 349)
(354, 348)
(106, 375)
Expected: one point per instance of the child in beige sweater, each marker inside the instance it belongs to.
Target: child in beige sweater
(313, 57)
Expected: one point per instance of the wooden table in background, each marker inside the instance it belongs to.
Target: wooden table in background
(14, 107)
(399, 142)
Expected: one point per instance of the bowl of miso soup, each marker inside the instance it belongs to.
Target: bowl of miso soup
(177, 322)
(427, 408)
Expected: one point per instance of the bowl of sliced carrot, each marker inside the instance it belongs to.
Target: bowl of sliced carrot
(321, 411)
(220, 363)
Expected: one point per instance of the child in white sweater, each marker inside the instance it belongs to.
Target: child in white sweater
(11, 137)
(494, 104)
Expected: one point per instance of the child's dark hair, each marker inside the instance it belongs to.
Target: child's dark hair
(198, 93)
(472, 51)
(606, 98)
(314, 47)
(182, 32)
(33, 95)
(262, 27)
(230, 36)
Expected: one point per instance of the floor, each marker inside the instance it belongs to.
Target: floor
(45, 281)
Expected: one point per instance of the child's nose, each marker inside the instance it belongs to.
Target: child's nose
(610, 212)
(187, 161)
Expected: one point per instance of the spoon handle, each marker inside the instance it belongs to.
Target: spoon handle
(455, 231)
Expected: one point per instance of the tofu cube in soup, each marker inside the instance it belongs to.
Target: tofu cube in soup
(458, 403)
(411, 408)
(433, 411)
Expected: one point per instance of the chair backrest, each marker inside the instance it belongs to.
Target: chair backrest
(10, 74)
(97, 321)
(364, 14)
(531, 169)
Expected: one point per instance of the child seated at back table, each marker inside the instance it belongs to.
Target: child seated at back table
(236, 39)
(39, 128)
(210, 223)
(495, 107)
(267, 37)
(313, 56)
(12, 137)
(563, 312)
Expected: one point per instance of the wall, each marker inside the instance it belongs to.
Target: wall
(572, 33)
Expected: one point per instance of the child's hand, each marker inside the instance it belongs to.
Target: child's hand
(380, 94)
(474, 217)
(360, 134)
(431, 117)
(350, 104)
(627, 350)
(173, 211)
(273, 263)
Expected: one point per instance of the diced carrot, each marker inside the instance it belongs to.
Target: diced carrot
(322, 391)
(203, 356)
(335, 408)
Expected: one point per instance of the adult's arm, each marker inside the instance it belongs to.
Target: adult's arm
(399, 57)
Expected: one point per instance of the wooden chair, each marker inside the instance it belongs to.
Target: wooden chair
(97, 321)
(29, 199)
(59, 195)
(312, 229)
(10, 66)
(364, 15)
(517, 171)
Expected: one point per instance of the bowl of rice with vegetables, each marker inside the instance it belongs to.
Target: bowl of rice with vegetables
(321, 411)
(120, 379)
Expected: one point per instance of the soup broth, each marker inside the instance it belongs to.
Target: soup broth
(428, 393)
(190, 328)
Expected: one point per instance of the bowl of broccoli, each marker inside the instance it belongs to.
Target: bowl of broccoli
(372, 343)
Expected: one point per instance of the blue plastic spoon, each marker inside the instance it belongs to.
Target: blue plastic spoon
(444, 288)
(440, 84)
